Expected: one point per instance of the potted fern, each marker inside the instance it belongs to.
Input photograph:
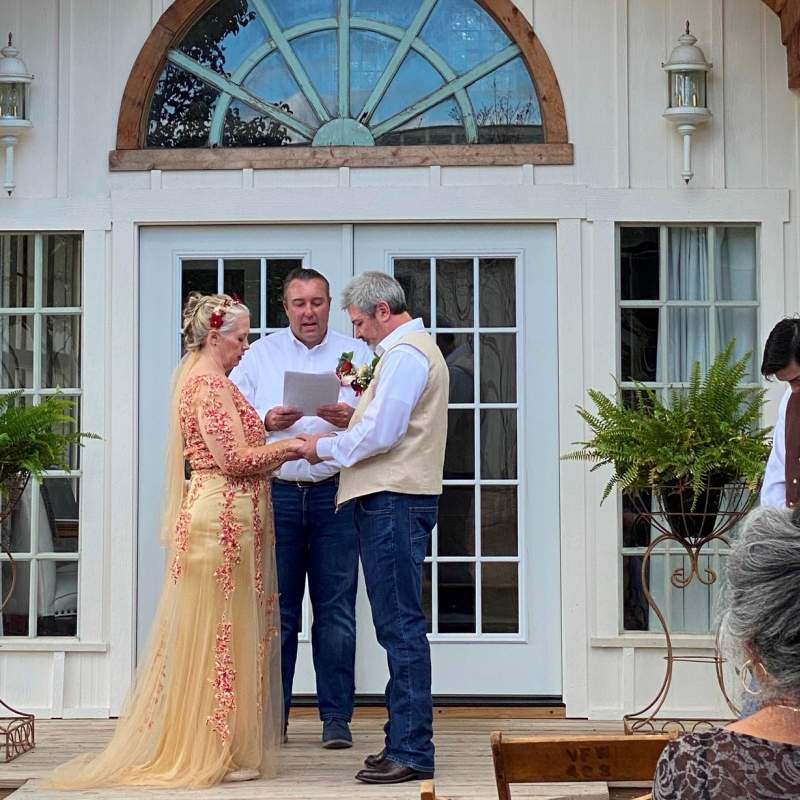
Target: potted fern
(30, 442)
(687, 450)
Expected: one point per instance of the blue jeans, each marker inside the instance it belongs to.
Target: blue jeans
(313, 539)
(393, 534)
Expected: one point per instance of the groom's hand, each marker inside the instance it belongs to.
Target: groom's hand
(337, 414)
(309, 450)
(281, 417)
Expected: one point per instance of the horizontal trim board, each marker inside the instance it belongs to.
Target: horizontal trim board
(318, 157)
(512, 706)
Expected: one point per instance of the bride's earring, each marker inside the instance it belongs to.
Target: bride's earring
(748, 678)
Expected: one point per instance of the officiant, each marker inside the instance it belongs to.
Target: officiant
(312, 540)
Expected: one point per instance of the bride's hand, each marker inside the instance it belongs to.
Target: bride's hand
(294, 448)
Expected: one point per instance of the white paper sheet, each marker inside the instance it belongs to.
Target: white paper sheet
(307, 391)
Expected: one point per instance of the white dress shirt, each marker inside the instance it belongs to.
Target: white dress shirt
(404, 375)
(259, 375)
(773, 487)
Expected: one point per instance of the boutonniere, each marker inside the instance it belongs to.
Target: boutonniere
(357, 378)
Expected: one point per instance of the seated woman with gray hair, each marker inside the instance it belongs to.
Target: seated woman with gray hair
(758, 756)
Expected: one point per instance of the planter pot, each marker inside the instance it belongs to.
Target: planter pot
(689, 518)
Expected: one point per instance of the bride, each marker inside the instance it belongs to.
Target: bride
(206, 703)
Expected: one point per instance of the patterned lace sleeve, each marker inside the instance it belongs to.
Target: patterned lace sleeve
(223, 434)
(664, 782)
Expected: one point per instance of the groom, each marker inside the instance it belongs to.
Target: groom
(391, 460)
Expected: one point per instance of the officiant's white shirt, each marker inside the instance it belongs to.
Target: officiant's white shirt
(773, 487)
(404, 374)
(259, 376)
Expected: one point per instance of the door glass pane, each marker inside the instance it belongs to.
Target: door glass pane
(62, 270)
(17, 526)
(739, 324)
(498, 293)
(735, 264)
(456, 525)
(73, 455)
(16, 351)
(454, 293)
(14, 617)
(57, 598)
(687, 264)
(198, 275)
(499, 598)
(639, 263)
(414, 275)
(277, 270)
(639, 344)
(58, 525)
(16, 271)
(456, 597)
(499, 443)
(459, 453)
(242, 277)
(61, 351)
(459, 355)
(688, 341)
(498, 368)
(498, 520)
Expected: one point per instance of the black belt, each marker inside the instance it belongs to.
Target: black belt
(306, 484)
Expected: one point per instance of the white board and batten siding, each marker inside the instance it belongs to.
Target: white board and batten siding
(607, 55)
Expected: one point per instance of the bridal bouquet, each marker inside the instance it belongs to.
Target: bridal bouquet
(357, 378)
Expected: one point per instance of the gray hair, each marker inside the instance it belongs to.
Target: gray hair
(760, 602)
(365, 291)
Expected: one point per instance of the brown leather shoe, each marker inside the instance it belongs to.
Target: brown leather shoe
(388, 771)
(375, 759)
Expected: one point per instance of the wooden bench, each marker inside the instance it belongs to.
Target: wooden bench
(574, 759)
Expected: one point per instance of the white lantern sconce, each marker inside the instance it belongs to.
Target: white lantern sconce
(15, 81)
(687, 73)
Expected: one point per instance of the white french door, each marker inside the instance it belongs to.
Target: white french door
(488, 294)
(491, 586)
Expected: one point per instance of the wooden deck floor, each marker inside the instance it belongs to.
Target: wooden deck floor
(463, 768)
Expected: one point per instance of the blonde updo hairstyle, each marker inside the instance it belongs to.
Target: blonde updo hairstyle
(202, 314)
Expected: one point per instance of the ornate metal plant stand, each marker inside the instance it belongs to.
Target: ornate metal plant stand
(668, 510)
(17, 734)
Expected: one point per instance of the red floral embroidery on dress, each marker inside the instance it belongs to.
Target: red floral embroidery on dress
(224, 681)
(182, 527)
(230, 529)
(258, 550)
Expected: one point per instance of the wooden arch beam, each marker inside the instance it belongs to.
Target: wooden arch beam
(789, 13)
(179, 17)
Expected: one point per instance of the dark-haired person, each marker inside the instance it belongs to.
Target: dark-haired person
(312, 540)
(781, 485)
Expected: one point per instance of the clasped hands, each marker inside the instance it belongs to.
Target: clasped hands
(282, 417)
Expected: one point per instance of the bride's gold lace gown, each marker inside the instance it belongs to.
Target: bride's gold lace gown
(206, 699)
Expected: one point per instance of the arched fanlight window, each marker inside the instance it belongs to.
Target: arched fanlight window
(235, 83)
(333, 72)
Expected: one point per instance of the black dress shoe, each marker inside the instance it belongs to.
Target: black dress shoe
(388, 771)
(375, 759)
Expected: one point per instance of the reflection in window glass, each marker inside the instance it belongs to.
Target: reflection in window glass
(441, 124)
(415, 79)
(506, 106)
(369, 56)
(57, 598)
(62, 270)
(318, 53)
(463, 33)
(181, 109)
(224, 36)
(499, 520)
(242, 277)
(454, 292)
(16, 352)
(639, 263)
(459, 453)
(245, 127)
(456, 523)
(398, 12)
(272, 81)
(61, 352)
(14, 619)
(459, 354)
(456, 597)
(16, 271)
(294, 12)
(414, 275)
(198, 275)
(499, 443)
(498, 292)
(639, 344)
(499, 598)
(277, 270)
(498, 368)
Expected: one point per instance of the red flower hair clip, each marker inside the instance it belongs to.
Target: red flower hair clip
(216, 319)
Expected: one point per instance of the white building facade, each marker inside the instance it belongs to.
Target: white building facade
(514, 171)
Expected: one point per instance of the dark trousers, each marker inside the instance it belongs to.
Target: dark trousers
(313, 539)
(393, 534)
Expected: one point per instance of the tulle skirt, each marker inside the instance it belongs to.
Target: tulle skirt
(207, 696)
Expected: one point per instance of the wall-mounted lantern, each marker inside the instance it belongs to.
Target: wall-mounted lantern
(15, 81)
(687, 73)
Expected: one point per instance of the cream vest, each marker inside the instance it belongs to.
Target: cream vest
(414, 465)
